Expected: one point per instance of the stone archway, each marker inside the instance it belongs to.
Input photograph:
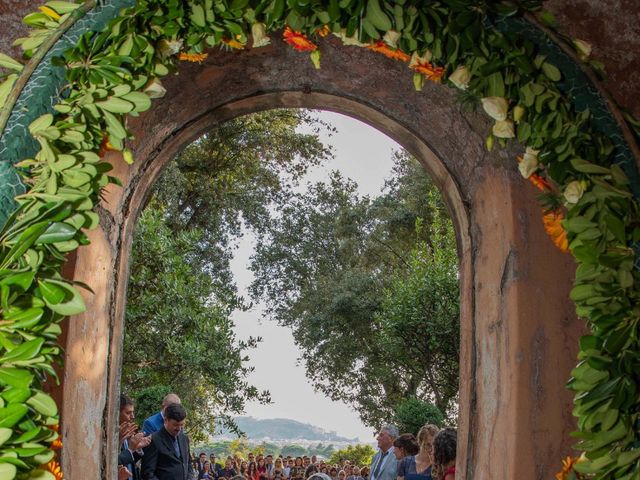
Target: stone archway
(518, 330)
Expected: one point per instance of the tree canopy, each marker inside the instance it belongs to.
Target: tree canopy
(179, 335)
(369, 288)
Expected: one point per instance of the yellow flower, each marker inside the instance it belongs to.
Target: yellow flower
(460, 77)
(233, 43)
(574, 190)
(166, 48)
(324, 31)
(259, 34)
(518, 113)
(504, 129)
(391, 38)
(529, 162)
(582, 48)
(350, 41)
(496, 107)
(155, 89)
(50, 12)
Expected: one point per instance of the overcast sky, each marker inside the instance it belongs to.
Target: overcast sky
(364, 155)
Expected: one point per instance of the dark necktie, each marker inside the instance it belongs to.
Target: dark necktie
(176, 446)
(377, 469)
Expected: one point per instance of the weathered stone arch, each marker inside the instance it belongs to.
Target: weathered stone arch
(519, 332)
(518, 328)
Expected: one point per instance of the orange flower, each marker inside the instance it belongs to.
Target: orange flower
(56, 444)
(553, 226)
(539, 182)
(234, 44)
(54, 467)
(192, 57)
(324, 31)
(429, 70)
(299, 41)
(394, 53)
(105, 147)
(567, 466)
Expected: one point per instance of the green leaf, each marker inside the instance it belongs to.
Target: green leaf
(73, 302)
(25, 351)
(115, 127)
(141, 101)
(5, 434)
(57, 232)
(8, 471)
(23, 318)
(7, 62)
(551, 71)
(62, 7)
(16, 395)
(5, 88)
(43, 404)
(51, 292)
(587, 167)
(39, 474)
(12, 414)
(40, 123)
(197, 15)
(115, 105)
(16, 377)
(578, 224)
(582, 292)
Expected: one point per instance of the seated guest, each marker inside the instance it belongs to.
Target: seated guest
(355, 474)
(444, 455)
(278, 470)
(252, 471)
(297, 471)
(310, 470)
(364, 472)
(228, 471)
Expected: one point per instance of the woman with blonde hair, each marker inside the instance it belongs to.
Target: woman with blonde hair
(420, 465)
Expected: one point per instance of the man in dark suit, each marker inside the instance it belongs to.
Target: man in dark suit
(168, 456)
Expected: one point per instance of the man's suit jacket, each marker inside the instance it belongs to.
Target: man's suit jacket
(153, 423)
(160, 461)
(128, 458)
(389, 468)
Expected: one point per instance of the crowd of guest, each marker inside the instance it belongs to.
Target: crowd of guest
(161, 452)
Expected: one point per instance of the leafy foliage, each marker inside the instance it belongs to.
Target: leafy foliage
(357, 454)
(115, 72)
(179, 333)
(322, 268)
(412, 413)
(180, 336)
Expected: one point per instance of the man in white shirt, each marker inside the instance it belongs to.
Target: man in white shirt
(384, 465)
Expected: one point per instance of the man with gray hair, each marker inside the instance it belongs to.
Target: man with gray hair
(156, 422)
(384, 465)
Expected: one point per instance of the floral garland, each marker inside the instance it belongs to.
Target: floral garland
(588, 206)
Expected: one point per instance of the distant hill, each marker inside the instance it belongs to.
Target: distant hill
(284, 429)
